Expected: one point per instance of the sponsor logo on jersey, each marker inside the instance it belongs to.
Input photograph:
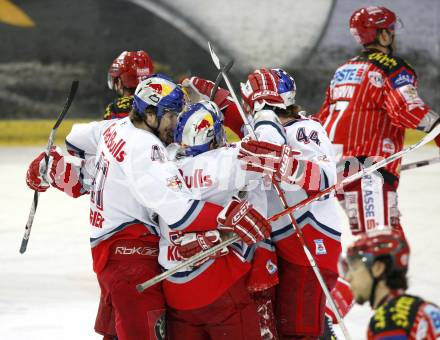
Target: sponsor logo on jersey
(401, 79)
(388, 146)
(351, 208)
(271, 267)
(345, 92)
(383, 59)
(145, 251)
(409, 93)
(198, 180)
(113, 144)
(375, 79)
(434, 314)
(173, 254)
(369, 204)
(320, 247)
(174, 183)
(348, 74)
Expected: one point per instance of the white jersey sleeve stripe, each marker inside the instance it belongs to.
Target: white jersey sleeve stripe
(189, 217)
(306, 218)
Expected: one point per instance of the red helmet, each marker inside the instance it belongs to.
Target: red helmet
(131, 68)
(385, 242)
(365, 22)
(261, 89)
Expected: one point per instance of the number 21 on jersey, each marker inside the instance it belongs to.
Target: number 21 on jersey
(96, 195)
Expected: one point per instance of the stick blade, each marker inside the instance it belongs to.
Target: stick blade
(72, 93)
(23, 246)
(214, 56)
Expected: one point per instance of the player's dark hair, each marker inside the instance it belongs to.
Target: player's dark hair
(394, 279)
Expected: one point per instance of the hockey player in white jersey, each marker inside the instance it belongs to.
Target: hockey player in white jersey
(133, 185)
(213, 294)
(270, 96)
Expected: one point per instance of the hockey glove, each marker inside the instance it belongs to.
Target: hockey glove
(241, 218)
(191, 244)
(36, 176)
(60, 174)
(265, 157)
(200, 89)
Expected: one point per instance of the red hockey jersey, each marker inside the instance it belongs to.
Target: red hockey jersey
(371, 99)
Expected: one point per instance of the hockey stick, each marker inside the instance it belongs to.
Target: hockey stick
(426, 139)
(27, 230)
(219, 78)
(283, 200)
(235, 238)
(419, 164)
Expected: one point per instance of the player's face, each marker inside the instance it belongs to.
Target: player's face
(360, 280)
(166, 127)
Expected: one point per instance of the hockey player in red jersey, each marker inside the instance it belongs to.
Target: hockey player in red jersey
(124, 74)
(133, 186)
(371, 100)
(376, 266)
(269, 96)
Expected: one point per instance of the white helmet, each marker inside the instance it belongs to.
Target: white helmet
(198, 126)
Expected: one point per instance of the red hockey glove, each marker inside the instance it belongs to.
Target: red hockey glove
(343, 298)
(241, 218)
(279, 160)
(60, 174)
(36, 178)
(200, 89)
(191, 244)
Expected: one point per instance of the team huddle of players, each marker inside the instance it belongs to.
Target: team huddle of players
(166, 182)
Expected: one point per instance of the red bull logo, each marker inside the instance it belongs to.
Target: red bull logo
(205, 123)
(161, 89)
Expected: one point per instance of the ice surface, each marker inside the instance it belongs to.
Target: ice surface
(50, 292)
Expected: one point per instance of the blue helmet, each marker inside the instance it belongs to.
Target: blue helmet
(160, 92)
(198, 126)
(286, 86)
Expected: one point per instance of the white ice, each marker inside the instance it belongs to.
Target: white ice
(50, 292)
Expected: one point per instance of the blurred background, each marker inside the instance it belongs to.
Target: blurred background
(46, 44)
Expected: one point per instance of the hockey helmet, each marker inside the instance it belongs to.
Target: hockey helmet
(261, 89)
(198, 126)
(131, 68)
(379, 244)
(365, 22)
(286, 86)
(160, 92)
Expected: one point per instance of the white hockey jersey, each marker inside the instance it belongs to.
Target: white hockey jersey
(214, 176)
(308, 137)
(133, 184)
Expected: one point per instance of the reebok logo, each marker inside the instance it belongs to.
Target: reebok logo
(145, 251)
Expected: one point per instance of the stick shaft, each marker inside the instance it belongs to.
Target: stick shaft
(32, 211)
